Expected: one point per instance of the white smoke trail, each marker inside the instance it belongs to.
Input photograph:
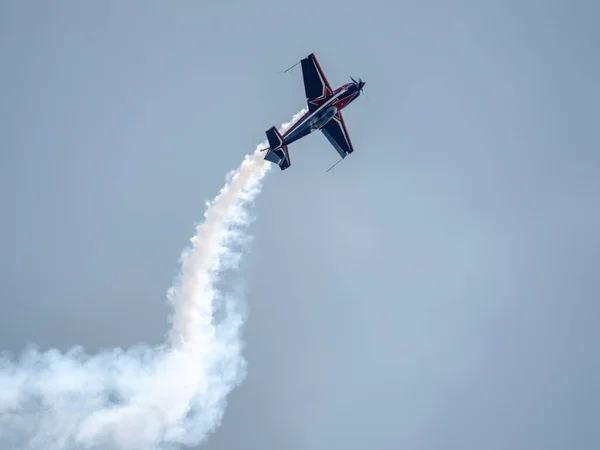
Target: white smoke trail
(145, 397)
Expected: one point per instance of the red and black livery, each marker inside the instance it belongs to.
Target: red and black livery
(324, 113)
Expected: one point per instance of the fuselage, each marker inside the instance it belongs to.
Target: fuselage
(325, 110)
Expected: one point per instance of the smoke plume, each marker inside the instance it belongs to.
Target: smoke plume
(146, 398)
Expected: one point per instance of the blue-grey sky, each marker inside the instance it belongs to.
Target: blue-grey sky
(439, 290)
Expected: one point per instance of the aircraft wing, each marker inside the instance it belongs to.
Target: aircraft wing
(335, 131)
(316, 86)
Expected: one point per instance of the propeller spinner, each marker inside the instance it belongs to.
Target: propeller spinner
(360, 83)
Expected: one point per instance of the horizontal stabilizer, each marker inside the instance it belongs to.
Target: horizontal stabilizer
(278, 151)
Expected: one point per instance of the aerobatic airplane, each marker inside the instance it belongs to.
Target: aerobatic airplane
(324, 113)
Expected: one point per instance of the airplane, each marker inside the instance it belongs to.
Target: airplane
(324, 113)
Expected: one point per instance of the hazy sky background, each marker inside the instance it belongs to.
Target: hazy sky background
(439, 290)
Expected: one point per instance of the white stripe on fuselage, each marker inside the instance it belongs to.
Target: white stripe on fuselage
(327, 103)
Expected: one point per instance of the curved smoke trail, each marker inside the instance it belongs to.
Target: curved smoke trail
(145, 397)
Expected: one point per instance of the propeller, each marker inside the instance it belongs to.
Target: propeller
(360, 83)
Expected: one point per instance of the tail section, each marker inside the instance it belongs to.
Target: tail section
(278, 151)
